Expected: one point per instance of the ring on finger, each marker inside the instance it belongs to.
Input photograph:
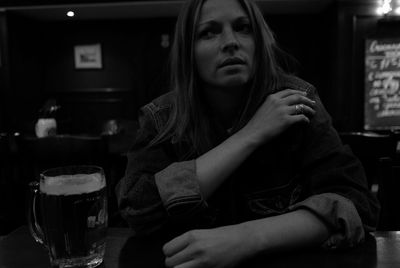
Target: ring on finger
(299, 108)
(296, 109)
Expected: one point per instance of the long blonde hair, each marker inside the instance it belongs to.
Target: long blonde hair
(188, 120)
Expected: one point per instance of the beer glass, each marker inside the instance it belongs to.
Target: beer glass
(68, 215)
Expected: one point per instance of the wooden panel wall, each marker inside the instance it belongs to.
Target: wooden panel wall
(327, 46)
(4, 72)
(42, 66)
(309, 39)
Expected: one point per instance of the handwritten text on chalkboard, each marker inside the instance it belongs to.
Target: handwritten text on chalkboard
(382, 81)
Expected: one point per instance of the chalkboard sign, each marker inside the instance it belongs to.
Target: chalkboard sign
(382, 84)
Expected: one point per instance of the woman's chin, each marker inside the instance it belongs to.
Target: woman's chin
(235, 81)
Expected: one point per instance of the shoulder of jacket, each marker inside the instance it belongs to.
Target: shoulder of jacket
(163, 102)
(158, 110)
(294, 82)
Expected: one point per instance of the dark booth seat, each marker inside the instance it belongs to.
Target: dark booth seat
(388, 194)
(6, 223)
(4, 156)
(370, 144)
(369, 147)
(12, 202)
(380, 157)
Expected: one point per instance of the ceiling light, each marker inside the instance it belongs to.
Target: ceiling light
(70, 14)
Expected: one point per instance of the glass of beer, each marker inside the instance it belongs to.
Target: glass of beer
(68, 215)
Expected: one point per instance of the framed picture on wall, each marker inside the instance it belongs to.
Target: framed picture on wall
(88, 56)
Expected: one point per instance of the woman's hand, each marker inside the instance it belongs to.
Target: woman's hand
(220, 247)
(278, 112)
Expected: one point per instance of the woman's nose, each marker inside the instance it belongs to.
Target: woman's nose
(230, 41)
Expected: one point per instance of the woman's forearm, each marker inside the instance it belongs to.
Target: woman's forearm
(213, 167)
(226, 246)
(300, 228)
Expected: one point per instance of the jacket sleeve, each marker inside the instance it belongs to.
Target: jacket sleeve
(336, 184)
(154, 185)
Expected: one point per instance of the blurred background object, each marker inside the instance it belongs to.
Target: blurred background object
(111, 127)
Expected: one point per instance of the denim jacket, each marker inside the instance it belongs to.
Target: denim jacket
(306, 167)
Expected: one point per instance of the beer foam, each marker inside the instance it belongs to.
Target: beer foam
(72, 184)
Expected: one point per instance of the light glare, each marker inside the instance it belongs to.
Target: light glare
(70, 14)
(388, 7)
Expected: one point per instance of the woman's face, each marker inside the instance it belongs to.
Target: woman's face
(224, 44)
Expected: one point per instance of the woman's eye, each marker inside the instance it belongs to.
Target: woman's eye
(244, 28)
(207, 34)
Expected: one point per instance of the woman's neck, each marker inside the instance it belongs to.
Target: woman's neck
(225, 104)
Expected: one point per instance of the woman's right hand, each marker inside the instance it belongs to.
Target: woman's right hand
(278, 112)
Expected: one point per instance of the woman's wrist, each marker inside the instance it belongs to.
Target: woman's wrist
(299, 228)
(250, 138)
(255, 243)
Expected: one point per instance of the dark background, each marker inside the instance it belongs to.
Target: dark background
(38, 63)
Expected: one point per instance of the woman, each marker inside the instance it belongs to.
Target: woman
(240, 157)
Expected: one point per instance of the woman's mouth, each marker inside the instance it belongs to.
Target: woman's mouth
(231, 61)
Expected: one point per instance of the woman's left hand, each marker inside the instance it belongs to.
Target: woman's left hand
(220, 247)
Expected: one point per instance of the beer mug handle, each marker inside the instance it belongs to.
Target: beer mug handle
(34, 227)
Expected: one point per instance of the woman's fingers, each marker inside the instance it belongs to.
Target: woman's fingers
(297, 99)
(178, 250)
(189, 264)
(297, 102)
(180, 257)
(302, 109)
(300, 118)
(175, 245)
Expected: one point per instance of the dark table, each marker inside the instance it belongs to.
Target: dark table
(381, 250)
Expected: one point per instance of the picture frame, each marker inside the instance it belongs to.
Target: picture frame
(88, 56)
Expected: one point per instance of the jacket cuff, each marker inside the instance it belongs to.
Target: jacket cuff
(340, 214)
(179, 188)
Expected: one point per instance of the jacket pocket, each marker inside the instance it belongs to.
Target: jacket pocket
(273, 201)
